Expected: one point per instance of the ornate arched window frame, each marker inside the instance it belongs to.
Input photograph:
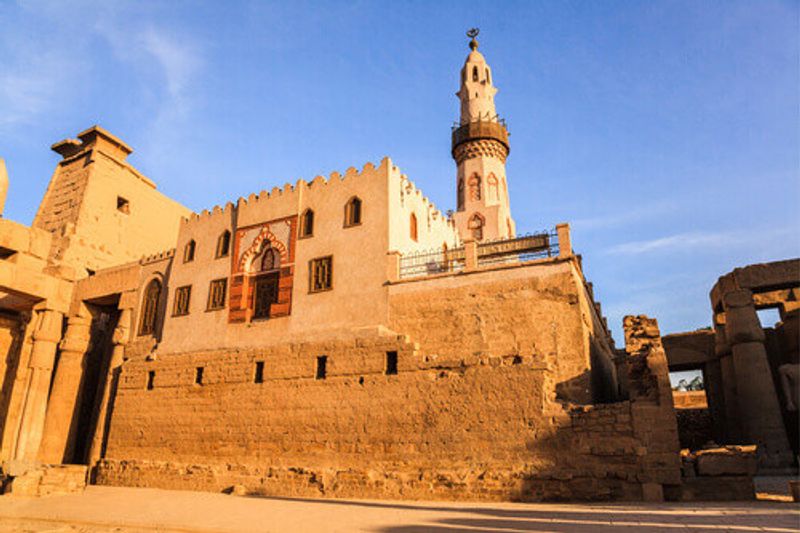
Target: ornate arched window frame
(150, 305)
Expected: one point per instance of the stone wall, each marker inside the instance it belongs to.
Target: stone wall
(479, 427)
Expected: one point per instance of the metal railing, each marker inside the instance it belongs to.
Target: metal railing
(519, 249)
(431, 262)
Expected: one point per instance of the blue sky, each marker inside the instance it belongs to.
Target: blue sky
(666, 133)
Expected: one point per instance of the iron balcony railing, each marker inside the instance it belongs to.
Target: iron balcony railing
(520, 249)
(432, 262)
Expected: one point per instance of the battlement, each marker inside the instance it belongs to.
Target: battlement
(155, 258)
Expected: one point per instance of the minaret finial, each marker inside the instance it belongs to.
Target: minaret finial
(472, 33)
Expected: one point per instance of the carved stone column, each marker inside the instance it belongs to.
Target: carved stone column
(731, 430)
(120, 339)
(61, 418)
(46, 335)
(759, 410)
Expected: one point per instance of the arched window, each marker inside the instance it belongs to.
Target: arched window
(413, 228)
(474, 73)
(224, 244)
(188, 251)
(307, 223)
(270, 260)
(352, 212)
(150, 308)
(491, 183)
(460, 198)
(475, 226)
(475, 187)
(488, 78)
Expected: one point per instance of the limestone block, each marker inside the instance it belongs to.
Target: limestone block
(727, 461)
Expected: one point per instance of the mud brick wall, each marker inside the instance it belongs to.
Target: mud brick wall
(474, 428)
(541, 311)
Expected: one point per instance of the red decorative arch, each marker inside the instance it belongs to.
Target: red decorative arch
(252, 251)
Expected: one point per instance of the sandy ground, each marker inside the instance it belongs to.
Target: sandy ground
(125, 510)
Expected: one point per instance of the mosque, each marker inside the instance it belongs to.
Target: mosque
(338, 337)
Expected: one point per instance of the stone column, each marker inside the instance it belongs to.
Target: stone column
(61, 417)
(712, 379)
(120, 339)
(759, 410)
(730, 425)
(47, 333)
(470, 255)
(564, 241)
(393, 266)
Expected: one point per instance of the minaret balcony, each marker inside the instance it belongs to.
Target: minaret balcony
(494, 129)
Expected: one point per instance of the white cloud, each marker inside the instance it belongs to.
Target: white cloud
(681, 241)
(762, 239)
(624, 216)
(180, 61)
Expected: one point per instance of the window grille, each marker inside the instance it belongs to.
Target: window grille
(321, 274)
(182, 297)
(216, 294)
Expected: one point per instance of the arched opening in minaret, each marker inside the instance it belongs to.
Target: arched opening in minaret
(488, 78)
(491, 183)
(475, 187)
(474, 73)
(413, 227)
(460, 196)
(475, 225)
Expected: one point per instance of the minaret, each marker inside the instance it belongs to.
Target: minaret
(480, 148)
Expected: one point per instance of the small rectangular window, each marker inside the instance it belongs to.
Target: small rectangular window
(182, 297)
(391, 363)
(216, 294)
(151, 377)
(198, 376)
(320, 274)
(123, 205)
(322, 366)
(259, 376)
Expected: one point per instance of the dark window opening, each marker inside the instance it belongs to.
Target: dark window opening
(474, 73)
(188, 251)
(322, 366)
(391, 363)
(152, 296)
(259, 375)
(307, 223)
(224, 244)
(182, 298)
(151, 377)
(123, 205)
(352, 212)
(320, 274)
(198, 376)
(265, 293)
(216, 294)
(413, 228)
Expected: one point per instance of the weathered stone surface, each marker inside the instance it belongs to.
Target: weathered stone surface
(727, 461)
